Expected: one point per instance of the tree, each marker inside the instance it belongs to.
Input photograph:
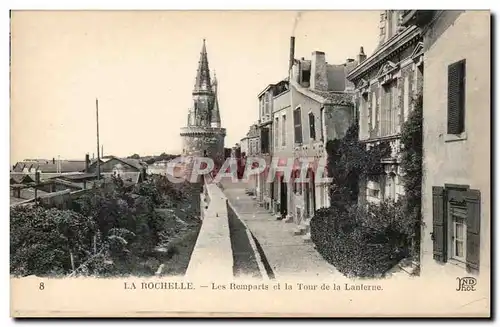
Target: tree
(134, 156)
(48, 241)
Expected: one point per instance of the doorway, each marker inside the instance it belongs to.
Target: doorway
(312, 185)
(283, 197)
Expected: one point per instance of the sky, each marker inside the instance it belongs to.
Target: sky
(141, 65)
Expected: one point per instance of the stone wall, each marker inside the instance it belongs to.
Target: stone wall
(449, 159)
(196, 141)
(212, 256)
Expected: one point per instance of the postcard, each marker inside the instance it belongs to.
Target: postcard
(250, 163)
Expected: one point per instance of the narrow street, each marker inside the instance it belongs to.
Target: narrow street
(287, 255)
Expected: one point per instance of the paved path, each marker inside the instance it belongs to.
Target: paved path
(288, 255)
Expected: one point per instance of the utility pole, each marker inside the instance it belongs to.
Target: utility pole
(98, 154)
(37, 182)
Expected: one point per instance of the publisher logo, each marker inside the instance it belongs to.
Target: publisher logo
(466, 284)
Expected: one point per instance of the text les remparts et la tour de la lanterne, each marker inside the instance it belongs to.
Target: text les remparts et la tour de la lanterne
(277, 286)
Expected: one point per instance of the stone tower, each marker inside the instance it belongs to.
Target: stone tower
(203, 135)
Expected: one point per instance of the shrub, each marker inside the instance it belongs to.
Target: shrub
(361, 241)
(42, 241)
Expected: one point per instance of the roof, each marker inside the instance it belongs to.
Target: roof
(20, 179)
(338, 98)
(135, 163)
(129, 178)
(325, 97)
(283, 80)
(49, 166)
(77, 177)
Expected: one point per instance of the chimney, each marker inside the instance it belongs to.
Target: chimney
(53, 161)
(318, 80)
(87, 161)
(361, 55)
(292, 52)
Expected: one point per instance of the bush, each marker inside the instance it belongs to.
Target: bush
(43, 240)
(361, 241)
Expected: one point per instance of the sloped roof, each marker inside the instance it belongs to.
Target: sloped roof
(49, 166)
(136, 163)
(20, 179)
(77, 177)
(128, 178)
(338, 98)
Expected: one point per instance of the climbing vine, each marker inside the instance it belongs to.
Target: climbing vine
(368, 240)
(348, 162)
(411, 164)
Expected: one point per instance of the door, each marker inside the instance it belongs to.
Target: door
(283, 198)
(312, 185)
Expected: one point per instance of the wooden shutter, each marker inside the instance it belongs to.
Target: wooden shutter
(312, 127)
(298, 126)
(473, 199)
(439, 230)
(456, 97)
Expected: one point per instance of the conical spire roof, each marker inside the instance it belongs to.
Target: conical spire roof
(215, 119)
(203, 73)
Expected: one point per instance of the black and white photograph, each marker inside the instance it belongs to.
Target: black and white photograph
(270, 159)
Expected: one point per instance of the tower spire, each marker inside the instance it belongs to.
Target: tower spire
(203, 73)
(215, 117)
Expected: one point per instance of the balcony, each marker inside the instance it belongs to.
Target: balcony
(417, 17)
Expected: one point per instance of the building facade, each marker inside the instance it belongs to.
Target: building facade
(298, 115)
(456, 137)
(386, 83)
(270, 99)
(321, 109)
(203, 135)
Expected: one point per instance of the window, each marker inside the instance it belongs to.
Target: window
(456, 215)
(264, 141)
(283, 130)
(373, 113)
(321, 122)
(390, 187)
(458, 222)
(363, 115)
(389, 110)
(297, 125)
(312, 127)
(456, 97)
(382, 26)
(306, 75)
(276, 132)
(373, 193)
(406, 99)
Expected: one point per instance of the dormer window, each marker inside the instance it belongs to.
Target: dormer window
(306, 76)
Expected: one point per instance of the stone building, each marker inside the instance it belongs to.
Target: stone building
(270, 99)
(250, 147)
(203, 135)
(456, 142)
(321, 109)
(250, 144)
(298, 115)
(385, 85)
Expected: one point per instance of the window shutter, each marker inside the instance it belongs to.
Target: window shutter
(473, 199)
(298, 126)
(456, 75)
(438, 224)
(312, 128)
